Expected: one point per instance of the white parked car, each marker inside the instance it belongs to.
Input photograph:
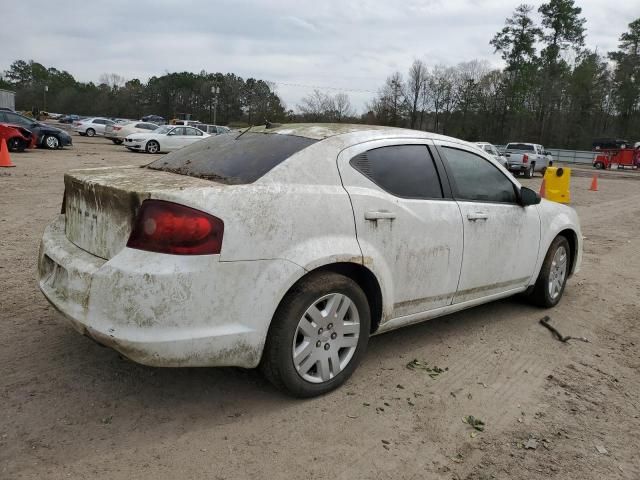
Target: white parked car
(213, 129)
(288, 247)
(166, 138)
(493, 151)
(118, 132)
(91, 126)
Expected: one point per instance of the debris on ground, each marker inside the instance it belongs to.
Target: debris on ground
(545, 323)
(107, 420)
(474, 422)
(531, 444)
(601, 450)
(433, 372)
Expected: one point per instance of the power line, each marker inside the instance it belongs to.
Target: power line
(320, 87)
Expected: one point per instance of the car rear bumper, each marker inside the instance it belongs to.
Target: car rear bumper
(164, 310)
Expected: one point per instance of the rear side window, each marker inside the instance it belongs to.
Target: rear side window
(233, 159)
(478, 179)
(405, 171)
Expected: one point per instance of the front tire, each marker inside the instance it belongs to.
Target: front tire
(116, 142)
(152, 147)
(598, 165)
(318, 335)
(16, 145)
(51, 142)
(553, 275)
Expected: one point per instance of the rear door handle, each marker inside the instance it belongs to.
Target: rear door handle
(472, 217)
(379, 215)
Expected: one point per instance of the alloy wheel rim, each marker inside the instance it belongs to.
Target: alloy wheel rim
(558, 272)
(52, 142)
(153, 148)
(326, 338)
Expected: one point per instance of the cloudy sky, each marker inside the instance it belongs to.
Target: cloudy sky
(346, 45)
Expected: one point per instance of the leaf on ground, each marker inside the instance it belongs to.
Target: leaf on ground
(474, 422)
(433, 372)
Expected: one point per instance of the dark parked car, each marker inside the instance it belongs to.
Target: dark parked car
(47, 136)
(154, 119)
(68, 118)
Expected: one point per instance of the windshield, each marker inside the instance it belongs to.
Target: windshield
(233, 159)
(163, 129)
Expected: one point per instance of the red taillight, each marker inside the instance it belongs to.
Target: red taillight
(167, 227)
(525, 158)
(76, 123)
(117, 128)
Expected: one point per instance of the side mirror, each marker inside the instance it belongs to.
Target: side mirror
(529, 197)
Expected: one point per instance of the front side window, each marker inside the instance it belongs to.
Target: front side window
(405, 171)
(478, 179)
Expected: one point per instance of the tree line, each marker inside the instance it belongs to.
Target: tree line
(238, 100)
(553, 90)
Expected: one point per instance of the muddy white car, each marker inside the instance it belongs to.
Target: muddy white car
(166, 138)
(288, 248)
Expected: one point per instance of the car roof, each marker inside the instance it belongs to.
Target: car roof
(322, 131)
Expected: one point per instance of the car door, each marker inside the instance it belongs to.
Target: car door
(408, 226)
(192, 134)
(501, 238)
(98, 125)
(174, 139)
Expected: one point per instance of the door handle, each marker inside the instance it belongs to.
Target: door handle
(379, 215)
(472, 217)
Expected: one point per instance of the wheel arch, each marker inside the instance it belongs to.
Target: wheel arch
(572, 238)
(360, 274)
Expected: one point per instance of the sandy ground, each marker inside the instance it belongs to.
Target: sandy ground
(71, 409)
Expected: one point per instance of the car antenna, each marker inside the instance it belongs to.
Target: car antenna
(250, 127)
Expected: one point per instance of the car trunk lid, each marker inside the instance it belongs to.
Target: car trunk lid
(101, 204)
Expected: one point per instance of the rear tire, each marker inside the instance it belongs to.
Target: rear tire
(528, 173)
(598, 165)
(152, 147)
(553, 275)
(318, 335)
(90, 132)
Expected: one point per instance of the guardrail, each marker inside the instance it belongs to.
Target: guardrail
(572, 156)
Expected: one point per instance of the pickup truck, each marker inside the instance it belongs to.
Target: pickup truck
(527, 158)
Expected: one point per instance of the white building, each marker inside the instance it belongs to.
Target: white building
(7, 99)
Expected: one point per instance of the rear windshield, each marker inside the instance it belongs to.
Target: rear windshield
(520, 146)
(232, 159)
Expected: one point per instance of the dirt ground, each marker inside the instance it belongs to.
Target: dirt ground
(72, 409)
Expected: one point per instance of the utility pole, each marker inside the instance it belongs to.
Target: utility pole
(46, 89)
(215, 90)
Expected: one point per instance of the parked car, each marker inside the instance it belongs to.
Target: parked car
(69, 118)
(18, 138)
(118, 132)
(154, 119)
(46, 135)
(213, 129)
(288, 247)
(493, 151)
(165, 139)
(527, 158)
(91, 126)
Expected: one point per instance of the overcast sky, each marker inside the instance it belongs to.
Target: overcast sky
(344, 44)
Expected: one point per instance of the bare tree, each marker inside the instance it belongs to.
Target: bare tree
(342, 107)
(112, 80)
(414, 88)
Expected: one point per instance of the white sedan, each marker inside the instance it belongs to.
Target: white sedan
(167, 138)
(289, 247)
(119, 131)
(91, 126)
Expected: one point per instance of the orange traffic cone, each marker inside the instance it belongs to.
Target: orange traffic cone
(543, 188)
(594, 183)
(5, 158)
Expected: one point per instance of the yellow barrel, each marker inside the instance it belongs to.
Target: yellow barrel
(558, 184)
